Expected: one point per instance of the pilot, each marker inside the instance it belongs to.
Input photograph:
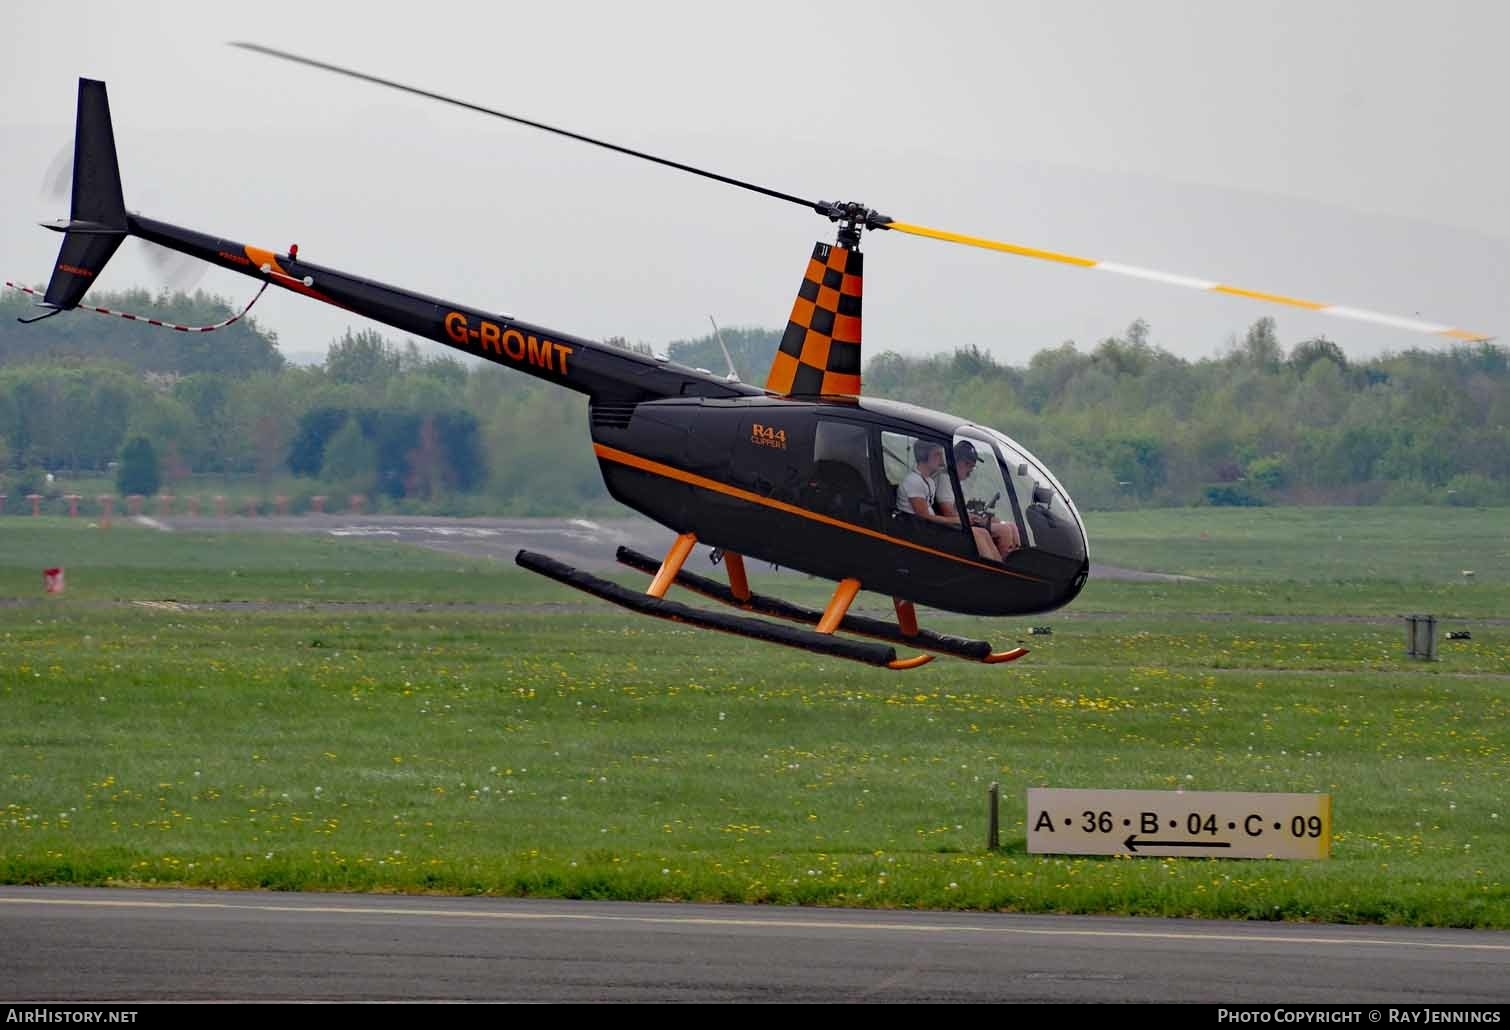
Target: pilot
(1004, 536)
(916, 495)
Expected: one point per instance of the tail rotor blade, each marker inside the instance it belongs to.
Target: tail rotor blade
(178, 273)
(57, 181)
(1210, 286)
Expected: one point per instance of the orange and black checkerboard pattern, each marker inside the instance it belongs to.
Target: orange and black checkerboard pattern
(820, 351)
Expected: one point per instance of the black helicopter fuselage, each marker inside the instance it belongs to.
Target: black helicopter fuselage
(742, 469)
(810, 484)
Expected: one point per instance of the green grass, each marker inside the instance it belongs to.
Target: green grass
(131, 562)
(587, 753)
(1315, 561)
(1309, 545)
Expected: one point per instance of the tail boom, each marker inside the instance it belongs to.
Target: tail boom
(600, 370)
(98, 222)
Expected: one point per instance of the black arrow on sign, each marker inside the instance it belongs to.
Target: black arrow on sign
(1132, 842)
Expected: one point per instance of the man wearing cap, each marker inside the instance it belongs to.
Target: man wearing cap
(1002, 535)
(918, 495)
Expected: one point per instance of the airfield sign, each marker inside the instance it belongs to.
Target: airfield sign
(1166, 823)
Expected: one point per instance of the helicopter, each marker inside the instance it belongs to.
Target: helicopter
(805, 472)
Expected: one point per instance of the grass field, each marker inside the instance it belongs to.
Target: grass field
(521, 747)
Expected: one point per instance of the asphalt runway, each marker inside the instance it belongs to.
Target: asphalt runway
(76, 945)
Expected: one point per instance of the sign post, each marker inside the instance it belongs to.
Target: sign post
(1165, 823)
(1421, 637)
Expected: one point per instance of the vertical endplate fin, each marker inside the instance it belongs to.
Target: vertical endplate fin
(97, 215)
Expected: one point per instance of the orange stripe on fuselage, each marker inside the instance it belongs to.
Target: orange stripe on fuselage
(670, 472)
(260, 257)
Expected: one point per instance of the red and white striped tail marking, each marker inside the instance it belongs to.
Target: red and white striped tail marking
(154, 321)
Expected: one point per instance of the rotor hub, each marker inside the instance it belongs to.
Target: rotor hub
(853, 217)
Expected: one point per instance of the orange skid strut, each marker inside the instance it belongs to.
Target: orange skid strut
(907, 617)
(843, 597)
(739, 586)
(672, 565)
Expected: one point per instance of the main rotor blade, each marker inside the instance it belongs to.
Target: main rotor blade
(269, 51)
(1358, 314)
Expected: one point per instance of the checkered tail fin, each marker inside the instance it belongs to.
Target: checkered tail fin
(820, 351)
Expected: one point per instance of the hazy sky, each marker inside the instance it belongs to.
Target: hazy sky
(1345, 151)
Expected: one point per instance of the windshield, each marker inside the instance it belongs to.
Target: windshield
(1049, 519)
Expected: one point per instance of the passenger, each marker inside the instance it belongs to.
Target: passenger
(916, 495)
(1004, 536)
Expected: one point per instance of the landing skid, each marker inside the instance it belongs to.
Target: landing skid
(927, 640)
(755, 629)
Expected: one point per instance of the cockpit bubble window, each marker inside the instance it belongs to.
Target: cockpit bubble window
(1050, 521)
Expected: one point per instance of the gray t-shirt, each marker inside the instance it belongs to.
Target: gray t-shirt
(914, 485)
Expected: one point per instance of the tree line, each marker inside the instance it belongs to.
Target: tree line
(1123, 423)
(1127, 423)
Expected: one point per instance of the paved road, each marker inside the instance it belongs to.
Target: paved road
(60, 944)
